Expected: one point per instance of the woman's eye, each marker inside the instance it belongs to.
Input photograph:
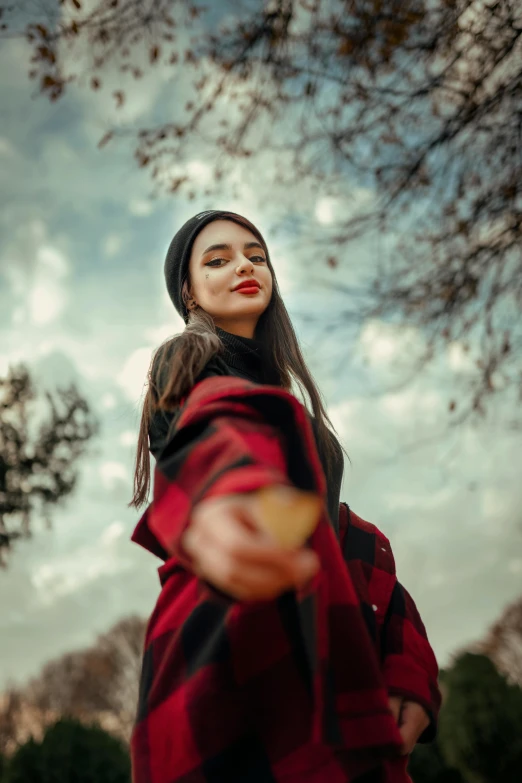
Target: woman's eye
(215, 261)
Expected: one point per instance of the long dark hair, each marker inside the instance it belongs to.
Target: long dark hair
(180, 359)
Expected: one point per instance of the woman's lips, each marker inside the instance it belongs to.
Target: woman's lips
(251, 289)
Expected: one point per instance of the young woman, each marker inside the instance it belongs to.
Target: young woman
(262, 663)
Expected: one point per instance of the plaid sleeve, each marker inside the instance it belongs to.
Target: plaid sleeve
(410, 666)
(209, 459)
(229, 438)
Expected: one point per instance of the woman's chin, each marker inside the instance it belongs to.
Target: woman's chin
(248, 304)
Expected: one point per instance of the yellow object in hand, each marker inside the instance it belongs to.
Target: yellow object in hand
(290, 515)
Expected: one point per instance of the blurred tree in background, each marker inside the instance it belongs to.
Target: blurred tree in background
(405, 112)
(38, 456)
(480, 730)
(503, 643)
(102, 680)
(70, 753)
(480, 727)
(99, 683)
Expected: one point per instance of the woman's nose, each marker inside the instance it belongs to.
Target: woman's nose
(244, 262)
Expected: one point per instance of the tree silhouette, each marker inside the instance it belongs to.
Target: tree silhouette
(99, 683)
(38, 462)
(71, 753)
(407, 111)
(480, 730)
(101, 680)
(12, 731)
(503, 643)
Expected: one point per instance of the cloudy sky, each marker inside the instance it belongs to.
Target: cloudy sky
(82, 298)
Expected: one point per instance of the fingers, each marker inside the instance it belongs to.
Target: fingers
(245, 581)
(256, 582)
(241, 560)
(414, 721)
(242, 541)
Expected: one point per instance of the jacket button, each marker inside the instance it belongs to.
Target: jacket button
(374, 607)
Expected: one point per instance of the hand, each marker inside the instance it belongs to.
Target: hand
(230, 549)
(412, 720)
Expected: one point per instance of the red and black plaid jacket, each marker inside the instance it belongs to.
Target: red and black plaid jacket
(284, 691)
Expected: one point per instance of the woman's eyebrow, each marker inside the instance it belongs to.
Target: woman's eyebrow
(246, 246)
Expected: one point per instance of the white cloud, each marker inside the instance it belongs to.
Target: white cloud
(199, 172)
(159, 334)
(113, 472)
(55, 579)
(383, 343)
(7, 359)
(6, 148)
(411, 402)
(133, 376)
(48, 294)
(36, 271)
(515, 566)
(108, 401)
(52, 262)
(329, 210)
(46, 302)
(325, 210)
(141, 207)
(128, 438)
(496, 505)
(112, 533)
(416, 502)
(459, 359)
(112, 245)
(166, 300)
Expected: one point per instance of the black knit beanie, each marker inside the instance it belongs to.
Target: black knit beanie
(178, 254)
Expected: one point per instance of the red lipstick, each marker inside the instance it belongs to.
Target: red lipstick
(247, 287)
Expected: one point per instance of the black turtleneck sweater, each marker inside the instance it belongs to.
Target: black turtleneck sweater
(247, 358)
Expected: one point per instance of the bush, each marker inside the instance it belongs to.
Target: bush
(427, 765)
(26, 764)
(480, 729)
(71, 753)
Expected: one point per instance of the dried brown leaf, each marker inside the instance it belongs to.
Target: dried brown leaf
(105, 139)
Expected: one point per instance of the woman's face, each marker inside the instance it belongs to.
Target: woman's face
(223, 255)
